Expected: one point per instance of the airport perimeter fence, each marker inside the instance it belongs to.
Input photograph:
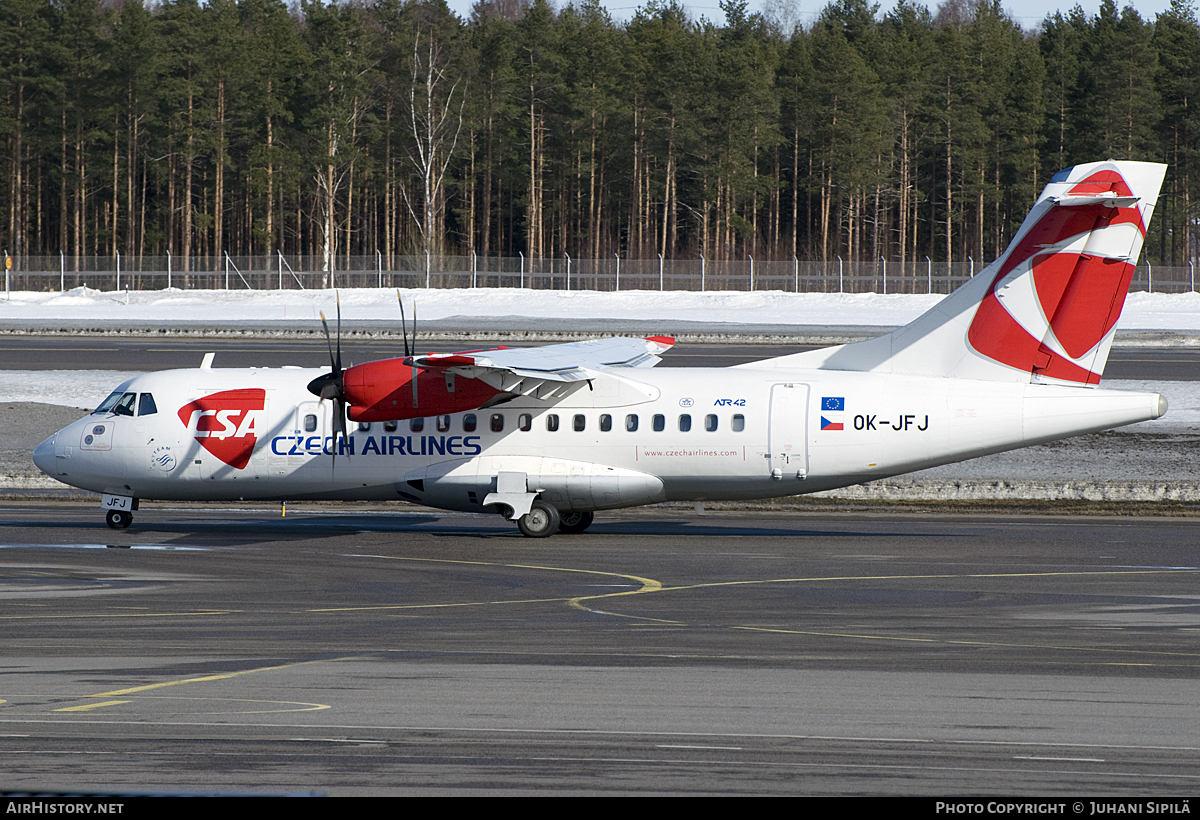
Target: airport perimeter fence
(279, 272)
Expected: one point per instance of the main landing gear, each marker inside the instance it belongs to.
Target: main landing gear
(575, 522)
(119, 519)
(544, 520)
(541, 521)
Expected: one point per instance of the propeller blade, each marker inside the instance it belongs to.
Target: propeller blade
(414, 370)
(328, 342)
(338, 299)
(403, 325)
(331, 385)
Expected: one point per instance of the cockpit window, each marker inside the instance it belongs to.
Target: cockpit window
(146, 405)
(125, 406)
(107, 404)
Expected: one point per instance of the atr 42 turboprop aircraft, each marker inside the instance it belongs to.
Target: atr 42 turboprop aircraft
(547, 436)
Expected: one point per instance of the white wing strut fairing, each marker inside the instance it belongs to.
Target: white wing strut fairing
(547, 436)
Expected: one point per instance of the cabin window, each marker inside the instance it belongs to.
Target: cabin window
(310, 423)
(552, 422)
(146, 405)
(364, 427)
(579, 422)
(631, 422)
(738, 424)
(710, 422)
(416, 425)
(685, 423)
(497, 422)
(525, 422)
(660, 422)
(390, 426)
(470, 422)
(605, 422)
(443, 423)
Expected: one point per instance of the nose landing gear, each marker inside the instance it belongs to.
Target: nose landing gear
(119, 519)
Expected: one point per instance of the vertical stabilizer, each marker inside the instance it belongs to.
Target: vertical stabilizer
(1046, 310)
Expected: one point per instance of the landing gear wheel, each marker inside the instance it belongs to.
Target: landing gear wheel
(542, 521)
(119, 519)
(574, 522)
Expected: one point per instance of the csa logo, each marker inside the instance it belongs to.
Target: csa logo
(1054, 301)
(227, 423)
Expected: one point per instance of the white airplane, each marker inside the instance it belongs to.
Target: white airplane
(547, 436)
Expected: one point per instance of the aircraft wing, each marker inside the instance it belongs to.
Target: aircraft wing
(543, 372)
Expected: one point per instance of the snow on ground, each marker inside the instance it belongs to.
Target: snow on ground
(1143, 311)
(66, 388)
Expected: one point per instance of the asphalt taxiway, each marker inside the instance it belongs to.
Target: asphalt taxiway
(359, 650)
(354, 650)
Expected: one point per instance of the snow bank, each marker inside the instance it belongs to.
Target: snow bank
(237, 308)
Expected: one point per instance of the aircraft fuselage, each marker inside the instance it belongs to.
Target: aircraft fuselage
(623, 440)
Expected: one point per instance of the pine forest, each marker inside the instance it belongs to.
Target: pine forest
(393, 127)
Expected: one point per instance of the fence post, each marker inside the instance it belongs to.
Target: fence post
(1192, 274)
(522, 255)
(118, 270)
(474, 266)
(701, 273)
(841, 287)
(928, 276)
(568, 269)
(427, 269)
(7, 268)
(660, 273)
(226, 270)
(796, 274)
(884, 261)
(971, 261)
(618, 258)
(1149, 277)
(280, 261)
(62, 271)
(751, 258)
(378, 269)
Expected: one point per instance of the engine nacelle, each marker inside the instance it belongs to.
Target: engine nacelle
(383, 391)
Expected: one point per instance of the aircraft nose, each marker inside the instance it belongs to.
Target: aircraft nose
(43, 455)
